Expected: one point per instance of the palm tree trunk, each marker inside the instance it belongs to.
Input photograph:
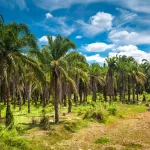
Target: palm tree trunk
(94, 95)
(24, 94)
(65, 101)
(69, 101)
(60, 92)
(77, 86)
(56, 98)
(29, 96)
(14, 94)
(80, 94)
(5, 91)
(44, 96)
(105, 94)
(9, 116)
(36, 99)
(129, 96)
(123, 88)
(115, 94)
(133, 92)
(110, 99)
(137, 93)
(20, 101)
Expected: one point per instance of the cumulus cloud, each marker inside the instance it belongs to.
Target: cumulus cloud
(130, 50)
(97, 24)
(44, 38)
(48, 15)
(125, 37)
(78, 37)
(95, 58)
(98, 47)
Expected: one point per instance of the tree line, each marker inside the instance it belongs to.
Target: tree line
(54, 74)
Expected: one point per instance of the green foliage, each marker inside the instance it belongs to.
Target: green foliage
(45, 121)
(96, 112)
(9, 118)
(12, 140)
(20, 129)
(72, 127)
(102, 140)
(112, 110)
(75, 126)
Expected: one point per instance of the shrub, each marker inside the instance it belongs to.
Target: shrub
(16, 142)
(20, 130)
(11, 140)
(98, 113)
(70, 126)
(102, 140)
(112, 110)
(45, 121)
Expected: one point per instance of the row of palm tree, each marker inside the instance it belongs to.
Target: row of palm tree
(54, 74)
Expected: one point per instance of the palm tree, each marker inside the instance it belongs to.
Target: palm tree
(15, 41)
(137, 78)
(146, 69)
(77, 68)
(95, 79)
(121, 68)
(56, 50)
(111, 62)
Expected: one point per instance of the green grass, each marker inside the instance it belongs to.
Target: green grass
(28, 133)
(102, 140)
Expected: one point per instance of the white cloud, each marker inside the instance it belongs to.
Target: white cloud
(97, 24)
(48, 15)
(98, 47)
(58, 4)
(124, 18)
(61, 27)
(95, 58)
(78, 37)
(130, 50)
(102, 20)
(125, 37)
(44, 38)
(136, 5)
(13, 3)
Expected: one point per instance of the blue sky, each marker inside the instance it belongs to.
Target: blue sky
(100, 28)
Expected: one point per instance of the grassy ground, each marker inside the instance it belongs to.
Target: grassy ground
(89, 126)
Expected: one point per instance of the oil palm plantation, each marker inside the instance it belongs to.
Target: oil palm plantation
(95, 79)
(110, 81)
(121, 69)
(56, 51)
(78, 69)
(15, 41)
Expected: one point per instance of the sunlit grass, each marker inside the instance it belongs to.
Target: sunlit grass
(28, 132)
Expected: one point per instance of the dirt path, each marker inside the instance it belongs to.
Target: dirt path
(132, 133)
